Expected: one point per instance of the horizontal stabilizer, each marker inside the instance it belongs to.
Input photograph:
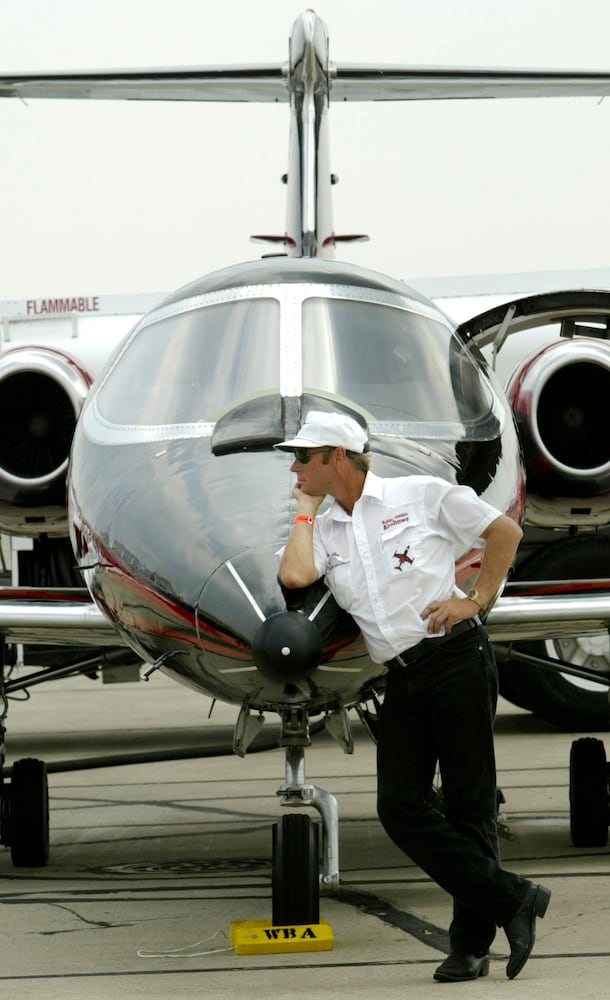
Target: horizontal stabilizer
(269, 83)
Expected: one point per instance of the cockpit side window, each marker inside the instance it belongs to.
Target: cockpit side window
(190, 367)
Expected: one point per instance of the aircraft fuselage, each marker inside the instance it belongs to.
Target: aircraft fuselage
(178, 501)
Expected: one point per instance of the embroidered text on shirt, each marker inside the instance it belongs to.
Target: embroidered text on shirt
(391, 522)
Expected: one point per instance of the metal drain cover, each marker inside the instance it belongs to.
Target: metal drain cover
(186, 867)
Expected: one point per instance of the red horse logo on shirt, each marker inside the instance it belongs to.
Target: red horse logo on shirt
(403, 557)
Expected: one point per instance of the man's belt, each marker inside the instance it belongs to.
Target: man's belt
(431, 644)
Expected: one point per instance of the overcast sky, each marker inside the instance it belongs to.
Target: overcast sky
(103, 197)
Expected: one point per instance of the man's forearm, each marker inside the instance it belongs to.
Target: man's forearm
(502, 538)
(297, 565)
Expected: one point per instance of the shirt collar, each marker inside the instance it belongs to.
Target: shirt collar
(373, 487)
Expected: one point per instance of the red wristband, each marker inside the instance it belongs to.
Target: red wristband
(304, 518)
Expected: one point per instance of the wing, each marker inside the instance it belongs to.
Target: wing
(542, 611)
(55, 616)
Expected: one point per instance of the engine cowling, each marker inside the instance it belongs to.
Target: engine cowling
(42, 392)
(560, 399)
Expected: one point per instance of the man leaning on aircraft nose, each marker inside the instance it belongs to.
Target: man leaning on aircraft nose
(442, 683)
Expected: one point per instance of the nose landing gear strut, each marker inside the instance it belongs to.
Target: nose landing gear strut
(298, 868)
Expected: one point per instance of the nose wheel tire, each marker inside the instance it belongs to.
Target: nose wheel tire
(296, 871)
(28, 819)
(588, 793)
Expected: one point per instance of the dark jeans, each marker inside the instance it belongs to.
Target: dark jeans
(442, 709)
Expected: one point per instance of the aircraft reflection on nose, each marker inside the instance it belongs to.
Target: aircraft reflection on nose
(238, 597)
(287, 647)
(262, 653)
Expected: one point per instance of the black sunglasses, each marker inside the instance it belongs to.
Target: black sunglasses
(303, 455)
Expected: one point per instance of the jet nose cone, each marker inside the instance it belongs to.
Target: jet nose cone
(287, 647)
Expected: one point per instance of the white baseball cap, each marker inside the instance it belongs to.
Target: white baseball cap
(335, 430)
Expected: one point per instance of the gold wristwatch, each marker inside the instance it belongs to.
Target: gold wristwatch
(473, 595)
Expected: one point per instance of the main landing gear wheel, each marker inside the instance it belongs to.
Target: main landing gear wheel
(565, 701)
(28, 819)
(296, 867)
(588, 793)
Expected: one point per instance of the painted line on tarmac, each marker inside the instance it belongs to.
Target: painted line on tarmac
(422, 930)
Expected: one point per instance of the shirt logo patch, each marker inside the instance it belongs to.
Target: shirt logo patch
(391, 522)
(404, 559)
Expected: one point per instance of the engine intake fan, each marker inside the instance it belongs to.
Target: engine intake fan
(42, 392)
(560, 402)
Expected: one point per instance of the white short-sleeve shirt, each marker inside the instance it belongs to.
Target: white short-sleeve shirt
(396, 554)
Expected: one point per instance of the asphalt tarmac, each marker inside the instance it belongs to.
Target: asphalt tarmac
(151, 863)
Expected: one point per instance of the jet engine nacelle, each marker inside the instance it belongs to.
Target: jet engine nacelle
(41, 395)
(560, 399)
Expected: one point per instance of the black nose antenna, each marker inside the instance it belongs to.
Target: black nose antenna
(287, 647)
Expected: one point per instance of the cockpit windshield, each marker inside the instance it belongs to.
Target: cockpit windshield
(188, 367)
(403, 368)
(398, 366)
